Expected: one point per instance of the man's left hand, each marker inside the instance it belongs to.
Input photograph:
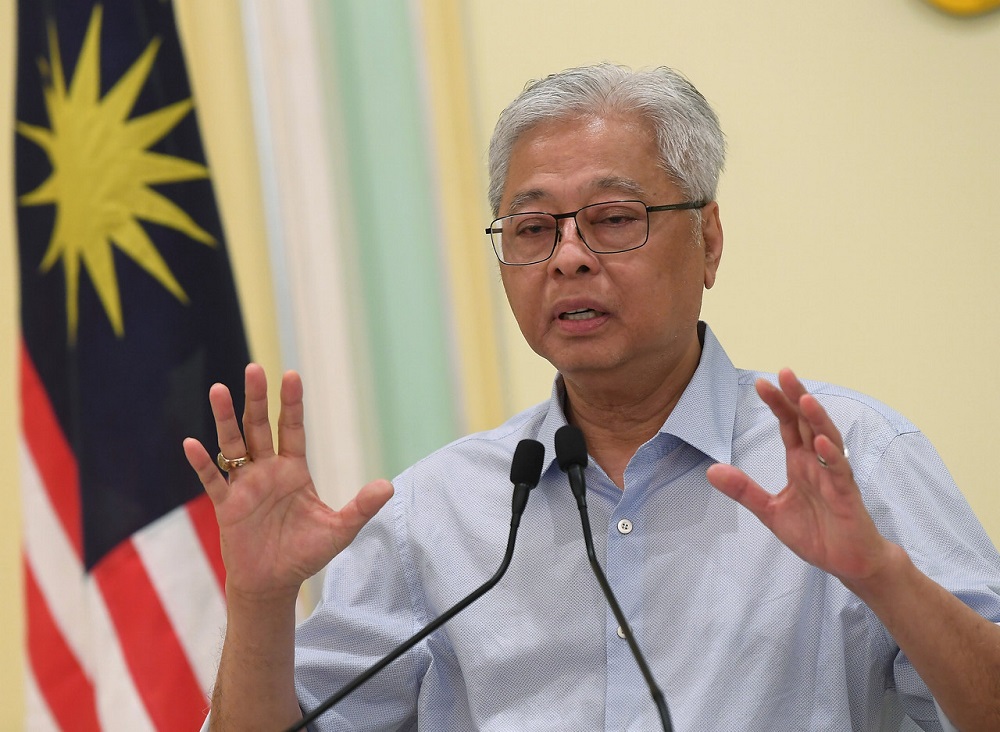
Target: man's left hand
(819, 514)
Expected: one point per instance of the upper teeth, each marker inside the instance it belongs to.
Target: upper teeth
(580, 314)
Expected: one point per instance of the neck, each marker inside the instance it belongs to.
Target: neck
(619, 414)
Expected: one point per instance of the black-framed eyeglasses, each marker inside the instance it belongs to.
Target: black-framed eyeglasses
(609, 227)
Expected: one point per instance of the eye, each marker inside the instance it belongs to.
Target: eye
(533, 225)
(615, 216)
(616, 220)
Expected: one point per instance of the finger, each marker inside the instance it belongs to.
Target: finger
(739, 486)
(360, 509)
(211, 479)
(837, 463)
(790, 385)
(820, 421)
(291, 427)
(786, 413)
(256, 425)
(226, 427)
(794, 391)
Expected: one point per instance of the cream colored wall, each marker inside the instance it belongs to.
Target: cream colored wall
(860, 200)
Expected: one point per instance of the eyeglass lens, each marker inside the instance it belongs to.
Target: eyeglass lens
(615, 226)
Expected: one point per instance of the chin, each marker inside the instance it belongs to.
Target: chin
(583, 365)
(580, 355)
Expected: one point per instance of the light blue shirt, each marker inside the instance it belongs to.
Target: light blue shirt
(738, 631)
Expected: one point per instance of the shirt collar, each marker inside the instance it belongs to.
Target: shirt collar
(703, 417)
(555, 417)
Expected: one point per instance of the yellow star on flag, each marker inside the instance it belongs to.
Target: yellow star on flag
(101, 173)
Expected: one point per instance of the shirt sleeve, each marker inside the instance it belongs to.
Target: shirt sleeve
(916, 504)
(367, 609)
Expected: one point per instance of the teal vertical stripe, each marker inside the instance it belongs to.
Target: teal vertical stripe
(389, 174)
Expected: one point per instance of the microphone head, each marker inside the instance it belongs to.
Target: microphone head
(571, 447)
(526, 468)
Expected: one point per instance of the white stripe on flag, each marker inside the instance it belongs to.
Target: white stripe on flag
(119, 706)
(37, 717)
(187, 588)
(57, 568)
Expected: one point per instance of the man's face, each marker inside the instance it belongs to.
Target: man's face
(607, 314)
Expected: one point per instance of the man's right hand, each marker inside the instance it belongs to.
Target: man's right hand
(275, 530)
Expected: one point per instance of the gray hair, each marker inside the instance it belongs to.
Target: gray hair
(691, 144)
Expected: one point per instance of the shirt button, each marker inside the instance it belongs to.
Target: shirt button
(621, 633)
(624, 526)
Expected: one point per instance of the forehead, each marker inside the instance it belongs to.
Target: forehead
(578, 160)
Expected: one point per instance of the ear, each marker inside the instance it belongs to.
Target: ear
(711, 235)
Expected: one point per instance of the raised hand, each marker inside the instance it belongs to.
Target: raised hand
(275, 530)
(819, 514)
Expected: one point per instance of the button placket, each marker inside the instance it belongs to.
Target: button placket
(624, 528)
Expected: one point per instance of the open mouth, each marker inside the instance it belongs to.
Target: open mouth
(582, 314)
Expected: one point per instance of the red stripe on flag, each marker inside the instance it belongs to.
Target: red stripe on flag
(202, 514)
(154, 656)
(60, 678)
(53, 457)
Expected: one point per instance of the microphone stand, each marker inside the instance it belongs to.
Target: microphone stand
(525, 452)
(571, 464)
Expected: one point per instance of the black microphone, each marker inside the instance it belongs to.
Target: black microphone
(571, 453)
(525, 472)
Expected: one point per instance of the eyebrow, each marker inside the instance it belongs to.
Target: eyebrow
(525, 197)
(609, 183)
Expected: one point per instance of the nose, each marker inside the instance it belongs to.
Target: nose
(572, 255)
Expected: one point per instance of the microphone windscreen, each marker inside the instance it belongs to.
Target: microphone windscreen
(526, 468)
(571, 447)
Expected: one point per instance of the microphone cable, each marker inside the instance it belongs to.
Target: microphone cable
(525, 472)
(571, 454)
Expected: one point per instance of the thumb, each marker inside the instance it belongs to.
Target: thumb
(739, 486)
(360, 509)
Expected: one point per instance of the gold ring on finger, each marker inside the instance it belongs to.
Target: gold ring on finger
(228, 464)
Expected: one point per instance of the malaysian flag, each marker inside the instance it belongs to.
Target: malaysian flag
(128, 314)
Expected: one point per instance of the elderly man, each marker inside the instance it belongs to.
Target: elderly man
(856, 591)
